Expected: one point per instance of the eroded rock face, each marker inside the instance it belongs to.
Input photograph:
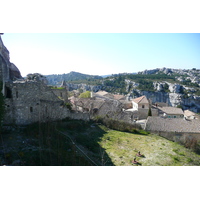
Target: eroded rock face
(84, 87)
(8, 70)
(14, 72)
(174, 88)
(4, 51)
(173, 99)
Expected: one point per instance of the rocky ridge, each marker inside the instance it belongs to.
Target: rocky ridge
(182, 75)
(183, 90)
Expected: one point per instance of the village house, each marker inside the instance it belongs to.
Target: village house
(190, 115)
(140, 103)
(170, 112)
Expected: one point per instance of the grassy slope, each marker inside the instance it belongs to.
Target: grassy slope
(122, 147)
(103, 145)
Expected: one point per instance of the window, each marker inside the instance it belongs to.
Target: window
(31, 109)
(142, 106)
(8, 93)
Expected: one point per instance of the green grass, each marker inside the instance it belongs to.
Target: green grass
(122, 147)
(57, 88)
(44, 146)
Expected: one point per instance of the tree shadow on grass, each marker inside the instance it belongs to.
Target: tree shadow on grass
(88, 135)
(62, 143)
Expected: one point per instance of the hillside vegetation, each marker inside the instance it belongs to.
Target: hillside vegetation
(75, 77)
(117, 83)
(79, 143)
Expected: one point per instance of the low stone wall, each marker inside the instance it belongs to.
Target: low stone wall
(79, 116)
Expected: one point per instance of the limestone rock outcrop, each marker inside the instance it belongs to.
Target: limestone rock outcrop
(8, 71)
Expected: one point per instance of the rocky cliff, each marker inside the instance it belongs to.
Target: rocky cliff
(84, 87)
(8, 70)
(182, 75)
(173, 86)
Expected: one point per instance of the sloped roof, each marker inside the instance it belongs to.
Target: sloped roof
(171, 110)
(87, 103)
(102, 93)
(141, 99)
(172, 125)
(189, 113)
(119, 97)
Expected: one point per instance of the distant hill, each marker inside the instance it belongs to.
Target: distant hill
(56, 79)
(177, 87)
(105, 76)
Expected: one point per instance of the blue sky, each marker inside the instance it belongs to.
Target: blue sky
(101, 53)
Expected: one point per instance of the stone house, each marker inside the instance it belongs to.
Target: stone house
(170, 112)
(140, 103)
(61, 93)
(30, 100)
(140, 108)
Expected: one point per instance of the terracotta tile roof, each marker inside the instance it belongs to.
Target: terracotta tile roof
(139, 99)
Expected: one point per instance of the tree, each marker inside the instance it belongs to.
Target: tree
(180, 106)
(149, 112)
(86, 94)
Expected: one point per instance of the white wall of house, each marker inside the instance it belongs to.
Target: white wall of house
(143, 105)
(140, 105)
(135, 105)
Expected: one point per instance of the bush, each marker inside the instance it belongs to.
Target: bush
(118, 125)
(86, 94)
(69, 106)
(149, 112)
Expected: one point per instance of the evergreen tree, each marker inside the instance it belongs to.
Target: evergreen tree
(149, 112)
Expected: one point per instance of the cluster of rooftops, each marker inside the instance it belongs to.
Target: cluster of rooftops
(163, 117)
